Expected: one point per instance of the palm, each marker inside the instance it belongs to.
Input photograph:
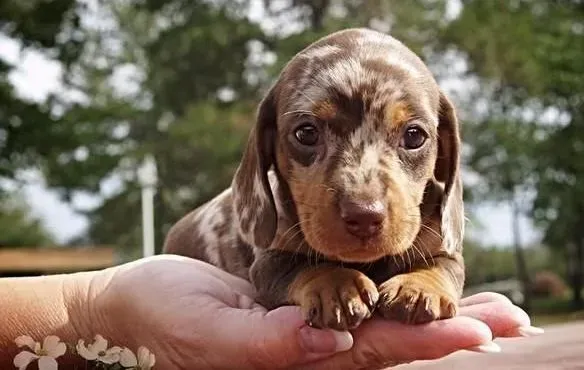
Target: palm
(200, 316)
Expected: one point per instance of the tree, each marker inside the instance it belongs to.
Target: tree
(29, 130)
(186, 101)
(532, 61)
(503, 154)
(18, 228)
(198, 70)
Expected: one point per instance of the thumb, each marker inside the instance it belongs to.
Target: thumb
(280, 338)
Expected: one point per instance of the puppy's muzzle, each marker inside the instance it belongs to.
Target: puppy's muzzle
(362, 218)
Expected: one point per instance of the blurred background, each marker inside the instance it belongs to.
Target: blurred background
(89, 89)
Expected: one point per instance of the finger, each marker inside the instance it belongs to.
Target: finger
(503, 318)
(280, 338)
(383, 343)
(484, 297)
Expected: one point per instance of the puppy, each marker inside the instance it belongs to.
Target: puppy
(348, 198)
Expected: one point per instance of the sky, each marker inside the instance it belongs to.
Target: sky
(36, 76)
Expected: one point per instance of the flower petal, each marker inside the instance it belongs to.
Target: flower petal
(25, 340)
(152, 360)
(99, 344)
(24, 358)
(114, 349)
(110, 358)
(84, 351)
(145, 358)
(142, 354)
(50, 343)
(48, 363)
(58, 351)
(53, 346)
(127, 358)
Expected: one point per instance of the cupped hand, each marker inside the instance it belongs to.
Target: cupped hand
(193, 315)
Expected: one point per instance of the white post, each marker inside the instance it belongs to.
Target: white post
(148, 178)
(147, 221)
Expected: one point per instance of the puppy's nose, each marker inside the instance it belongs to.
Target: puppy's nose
(362, 218)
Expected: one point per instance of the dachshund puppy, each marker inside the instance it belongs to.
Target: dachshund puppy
(348, 198)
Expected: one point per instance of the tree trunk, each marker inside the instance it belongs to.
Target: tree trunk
(522, 271)
(578, 274)
(318, 12)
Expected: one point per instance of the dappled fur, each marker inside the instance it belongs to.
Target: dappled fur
(279, 224)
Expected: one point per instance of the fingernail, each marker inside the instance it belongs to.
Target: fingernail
(491, 347)
(344, 340)
(324, 340)
(530, 331)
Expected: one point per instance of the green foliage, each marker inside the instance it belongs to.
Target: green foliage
(196, 159)
(486, 264)
(28, 131)
(530, 46)
(198, 76)
(536, 61)
(17, 227)
(40, 24)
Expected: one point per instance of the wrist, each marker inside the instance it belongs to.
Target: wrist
(80, 292)
(96, 306)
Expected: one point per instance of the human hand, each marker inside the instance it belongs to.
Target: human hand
(381, 344)
(193, 315)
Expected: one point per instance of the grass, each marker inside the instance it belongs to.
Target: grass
(549, 319)
(547, 311)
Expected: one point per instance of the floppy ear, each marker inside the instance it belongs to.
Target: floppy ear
(253, 201)
(447, 171)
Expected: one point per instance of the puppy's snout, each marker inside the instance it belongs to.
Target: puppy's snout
(362, 218)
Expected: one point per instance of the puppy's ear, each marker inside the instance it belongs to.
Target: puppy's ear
(253, 199)
(447, 171)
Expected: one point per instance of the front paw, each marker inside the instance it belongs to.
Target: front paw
(416, 298)
(334, 298)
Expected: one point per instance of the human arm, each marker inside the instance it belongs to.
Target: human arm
(43, 306)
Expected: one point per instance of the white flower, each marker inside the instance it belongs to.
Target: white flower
(145, 360)
(46, 354)
(98, 351)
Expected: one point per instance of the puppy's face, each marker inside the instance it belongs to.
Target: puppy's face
(356, 140)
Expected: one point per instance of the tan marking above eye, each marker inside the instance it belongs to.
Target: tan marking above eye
(398, 114)
(325, 110)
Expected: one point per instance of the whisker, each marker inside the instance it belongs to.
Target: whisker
(403, 259)
(297, 224)
(394, 259)
(418, 249)
(290, 236)
(432, 231)
(300, 111)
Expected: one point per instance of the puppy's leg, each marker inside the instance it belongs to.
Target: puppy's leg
(330, 296)
(427, 293)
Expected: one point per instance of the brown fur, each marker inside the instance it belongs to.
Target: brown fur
(350, 295)
(325, 110)
(361, 90)
(399, 114)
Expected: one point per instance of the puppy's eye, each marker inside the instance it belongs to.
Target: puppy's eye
(307, 135)
(413, 138)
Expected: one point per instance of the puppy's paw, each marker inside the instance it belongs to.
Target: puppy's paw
(334, 298)
(416, 298)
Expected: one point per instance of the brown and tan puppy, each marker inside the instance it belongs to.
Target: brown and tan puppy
(348, 197)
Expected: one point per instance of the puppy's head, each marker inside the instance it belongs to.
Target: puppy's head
(363, 142)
